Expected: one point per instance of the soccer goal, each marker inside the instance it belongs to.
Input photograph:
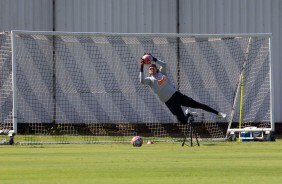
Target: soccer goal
(67, 85)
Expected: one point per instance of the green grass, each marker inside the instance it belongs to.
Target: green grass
(230, 162)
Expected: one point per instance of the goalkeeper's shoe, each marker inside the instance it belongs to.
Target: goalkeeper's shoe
(187, 112)
(190, 113)
(222, 115)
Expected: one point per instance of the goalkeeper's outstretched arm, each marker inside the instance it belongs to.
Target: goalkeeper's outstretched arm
(142, 78)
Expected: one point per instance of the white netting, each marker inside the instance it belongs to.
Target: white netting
(91, 80)
(6, 102)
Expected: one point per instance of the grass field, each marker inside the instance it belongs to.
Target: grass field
(229, 162)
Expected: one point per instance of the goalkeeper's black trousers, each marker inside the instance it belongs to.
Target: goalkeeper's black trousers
(178, 99)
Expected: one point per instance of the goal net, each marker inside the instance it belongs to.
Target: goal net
(70, 85)
(6, 105)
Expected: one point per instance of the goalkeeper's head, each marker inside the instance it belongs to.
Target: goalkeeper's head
(153, 69)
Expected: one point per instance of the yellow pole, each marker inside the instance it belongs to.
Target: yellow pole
(242, 90)
(241, 104)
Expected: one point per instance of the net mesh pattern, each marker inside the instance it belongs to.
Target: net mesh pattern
(66, 81)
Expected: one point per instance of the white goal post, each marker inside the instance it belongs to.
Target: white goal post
(90, 80)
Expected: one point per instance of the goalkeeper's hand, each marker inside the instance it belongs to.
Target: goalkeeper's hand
(141, 65)
(154, 59)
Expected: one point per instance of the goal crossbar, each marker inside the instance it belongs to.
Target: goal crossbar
(191, 35)
(71, 82)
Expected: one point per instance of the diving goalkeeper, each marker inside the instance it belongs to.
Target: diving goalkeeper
(167, 93)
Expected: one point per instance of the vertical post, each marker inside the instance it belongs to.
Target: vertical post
(54, 15)
(54, 79)
(178, 43)
(54, 62)
(271, 87)
(177, 17)
(14, 85)
(241, 104)
(241, 100)
(241, 79)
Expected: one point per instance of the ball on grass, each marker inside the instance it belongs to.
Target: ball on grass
(137, 141)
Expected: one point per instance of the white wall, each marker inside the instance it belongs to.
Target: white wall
(116, 15)
(239, 16)
(26, 15)
(196, 16)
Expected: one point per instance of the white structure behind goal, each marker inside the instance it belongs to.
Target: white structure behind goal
(73, 79)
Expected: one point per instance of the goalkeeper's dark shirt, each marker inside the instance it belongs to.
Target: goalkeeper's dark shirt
(159, 83)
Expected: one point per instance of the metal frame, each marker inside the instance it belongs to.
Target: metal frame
(265, 130)
(14, 32)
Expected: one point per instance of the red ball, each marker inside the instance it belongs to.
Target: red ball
(147, 59)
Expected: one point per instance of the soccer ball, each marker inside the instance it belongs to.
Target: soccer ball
(137, 141)
(147, 59)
